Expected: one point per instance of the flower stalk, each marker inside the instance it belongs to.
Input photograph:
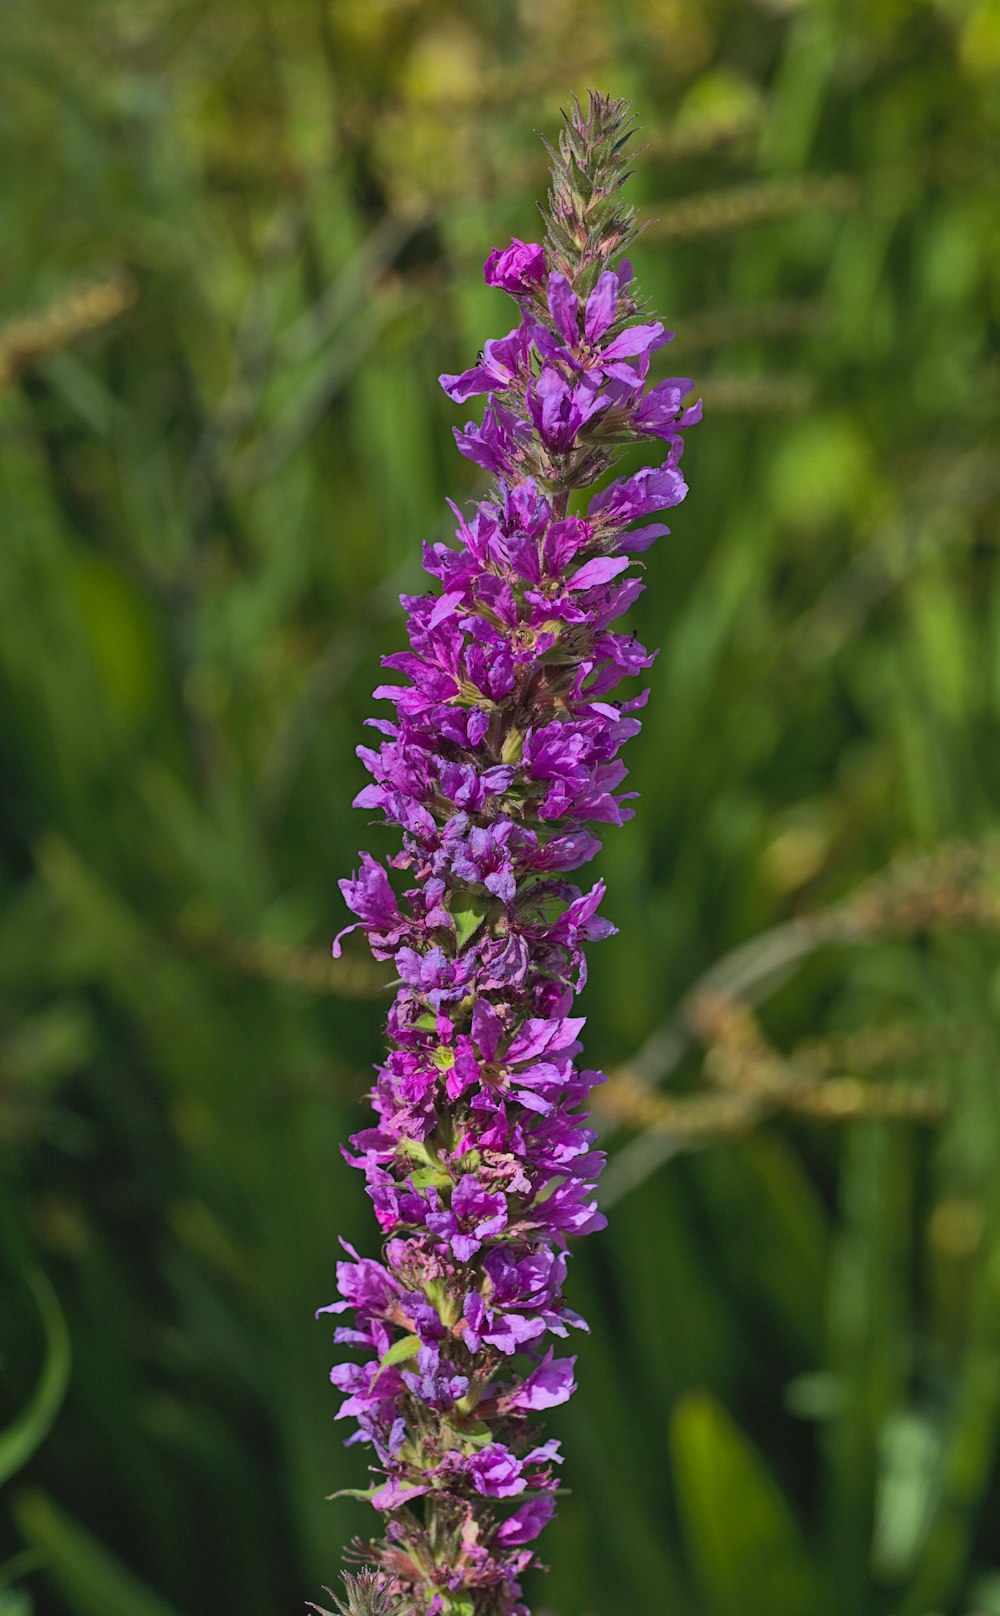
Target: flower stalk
(503, 751)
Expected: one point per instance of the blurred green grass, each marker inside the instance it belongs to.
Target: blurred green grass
(242, 237)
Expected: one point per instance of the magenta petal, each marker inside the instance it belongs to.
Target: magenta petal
(468, 384)
(395, 1493)
(637, 339)
(527, 1521)
(564, 307)
(600, 571)
(601, 306)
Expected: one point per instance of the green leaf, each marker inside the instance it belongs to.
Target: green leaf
(741, 1536)
(475, 1432)
(986, 1594)
(15, 1602)
(430, 1175)
(417, 1148)
(908, 1484)
(406, 1347)
(468, 911)
(25, 1434)
(94, 1580)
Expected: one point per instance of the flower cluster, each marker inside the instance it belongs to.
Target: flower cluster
(503, 751)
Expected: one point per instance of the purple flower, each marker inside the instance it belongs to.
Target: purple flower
(497, 445)
(370, 896)
(474, 1215)
(526, 1522)
(437, 1390)
(501, 361)
(654, 489)
(659, 412)
(516, 269)
(496, 1473)
(561, 409)
(395, 1492)
(502, 750)
(551, 1383)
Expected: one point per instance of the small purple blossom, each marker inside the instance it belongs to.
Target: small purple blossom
(502, 361)
(526, 1523)
(498, 444)
(560, 408)
(474, 1215)
(515, 269)
(496, 1472)
(501, 752)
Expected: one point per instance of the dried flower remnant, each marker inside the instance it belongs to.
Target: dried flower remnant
(83, 309)
(365, 1594)
(503, 749)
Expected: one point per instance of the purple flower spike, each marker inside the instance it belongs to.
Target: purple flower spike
(501, 750)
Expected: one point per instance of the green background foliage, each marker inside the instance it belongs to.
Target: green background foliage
(216, 471)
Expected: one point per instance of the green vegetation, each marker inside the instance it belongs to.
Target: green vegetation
(241, 238)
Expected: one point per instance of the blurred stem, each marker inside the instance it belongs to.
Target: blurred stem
(970, 1453)
(867, 1334)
